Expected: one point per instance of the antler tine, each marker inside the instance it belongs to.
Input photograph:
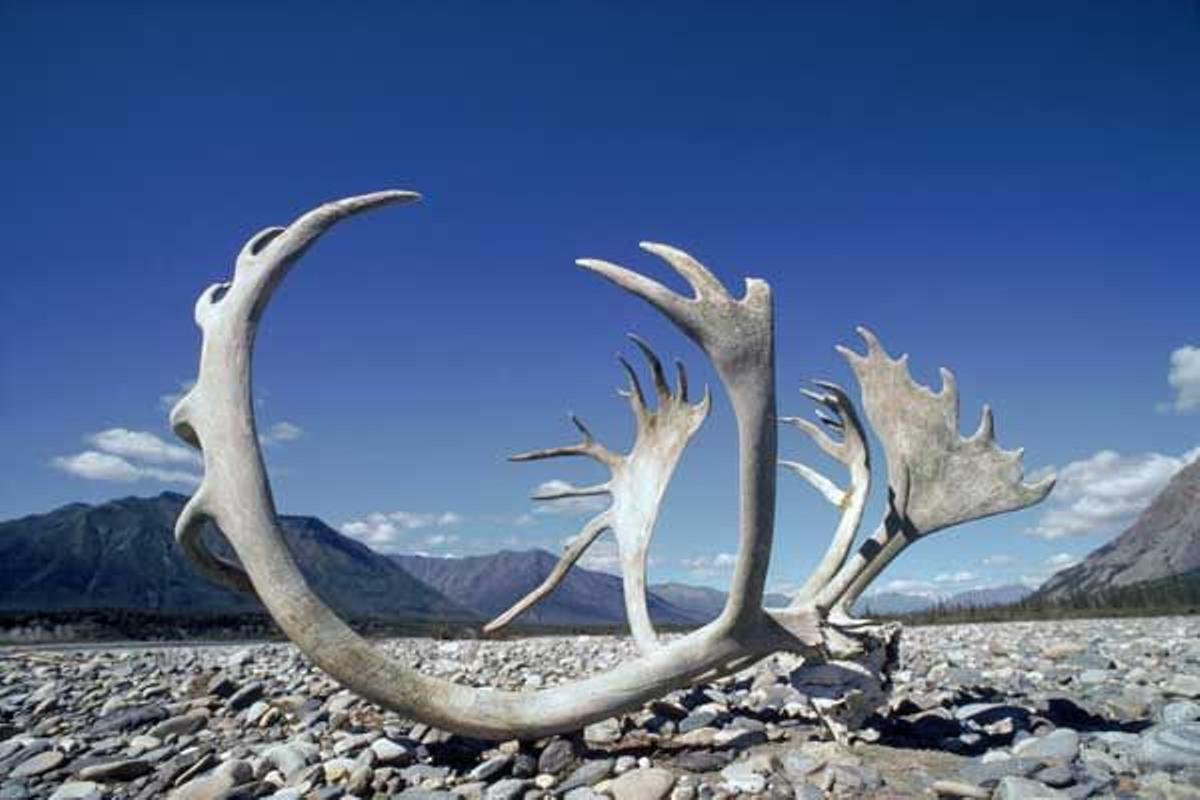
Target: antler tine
(656, 368)
(571, 554)
(567, 491)
(637, 399)
(698, 276)
(588, 447)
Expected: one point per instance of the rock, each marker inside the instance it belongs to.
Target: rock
(286, 758)
(1171, 747)
(642, 784)
(508, 789)
(216, 784)
(77, 790)
(122, 770)
(180, 725)
(221, 685)
(589, 773)
(41, 763)
(1181, 711)
(490, 769)
(127, 719)
(1014, 788)
(606, 731)
(246, 695)
(556, 757)
(390, 754)
(946, 788)
(1183, 685)
(748, 776)
(1058, 745)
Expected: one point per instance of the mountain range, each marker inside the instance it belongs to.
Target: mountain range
(122, 555)
(1164, 540)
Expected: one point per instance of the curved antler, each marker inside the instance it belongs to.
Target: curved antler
(217, 416)
(738, 335)
(850, 449)
(637, 485)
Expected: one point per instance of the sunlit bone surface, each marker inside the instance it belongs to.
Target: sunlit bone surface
(936, 479)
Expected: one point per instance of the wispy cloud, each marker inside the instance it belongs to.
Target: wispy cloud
(95, 466)
(574, 506)
(708, 566)
(955, 577)
(143, 446)
(389, 531)
(998, 560)
(1106, 491)
(1183, 375)
(281, 432)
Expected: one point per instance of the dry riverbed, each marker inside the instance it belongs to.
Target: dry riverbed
(1101, 708)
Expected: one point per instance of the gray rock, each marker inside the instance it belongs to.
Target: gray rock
(1014, 788)
(508, 789)
(123, 770)
(492, 768)
(589, 773)
(216, 784)
(39, 764)
(246, 695)
(642, 784)
(77, 790)
(1058, 745)
(1181, 711)
(556, 757)
(180, 725)
(390, 754)
(606, 731)
(1171, 747)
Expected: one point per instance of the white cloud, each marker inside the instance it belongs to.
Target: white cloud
(567, 505)
(386, 531)
(954, 577)
(281, 432)
(910, 586)
(1061, 561)
(999, 560)
(708, 566)
(1106, 491)
(1184, 377)
(142, 445)
(95, 466)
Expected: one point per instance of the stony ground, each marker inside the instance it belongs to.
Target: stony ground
(1029, 710)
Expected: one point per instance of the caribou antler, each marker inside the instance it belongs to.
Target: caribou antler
(936, 478)
(926, 462)
(639, 481)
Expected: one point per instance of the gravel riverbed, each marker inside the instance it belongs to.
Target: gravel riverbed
(1096, 708)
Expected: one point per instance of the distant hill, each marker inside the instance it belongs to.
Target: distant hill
(888, 603)
(490, 584)
(122, 555)
(704, 602)
(1163, 541)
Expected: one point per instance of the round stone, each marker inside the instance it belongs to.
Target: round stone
(41, 763)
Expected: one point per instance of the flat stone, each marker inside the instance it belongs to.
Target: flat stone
(606, 731)
(245, 696)
(123, 770)
(216, 784)
(1181, 711)
(492, 768)
(556, 756)
(77, 790)
(508, 789)
(390, 754)
(960, 789)
(41, 763)
(1183, 686)
(1058, 745)
(180, 725)
(129, 718)
(1171, 747)
(651, 783)
(1014, 788)
(589, 773)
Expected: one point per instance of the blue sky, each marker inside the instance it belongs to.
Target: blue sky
(1010, 192)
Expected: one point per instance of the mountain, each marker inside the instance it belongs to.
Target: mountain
(490, 584)
(887, 603)
(122, 555)
(1163, 541)
(703, 602)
